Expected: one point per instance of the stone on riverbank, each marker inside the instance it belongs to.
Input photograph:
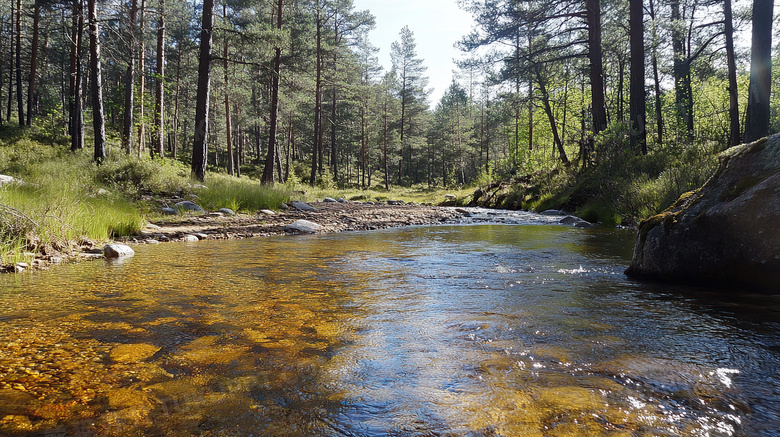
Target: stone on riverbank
(304, 227)
(725, 233)
(302, 206)
(113, 251)
(227, 211)
(190, 206)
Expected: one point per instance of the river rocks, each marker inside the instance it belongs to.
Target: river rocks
(395, 202)
(725, 233)
(304, 227)
(190, 206)
(227, 211)
(553, 212)
(267, 212)
(302, 206)
(114, 251)
(329, 200)
(189, 238)
(166, 210)
(574, 221)
(133, 353)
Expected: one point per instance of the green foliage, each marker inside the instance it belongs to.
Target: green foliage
(241, 194)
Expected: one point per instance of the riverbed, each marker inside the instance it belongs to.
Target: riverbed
(459, 330)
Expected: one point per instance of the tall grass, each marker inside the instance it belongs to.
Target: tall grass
(241, 194)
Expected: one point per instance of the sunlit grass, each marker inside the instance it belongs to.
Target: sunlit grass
(241, 194)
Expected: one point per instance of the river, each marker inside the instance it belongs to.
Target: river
(513, 330)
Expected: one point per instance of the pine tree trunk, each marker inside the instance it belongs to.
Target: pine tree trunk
(33, 63)
(159, 107)
(759, 91)
(77, 110)
(273, 144)
(228, 121)
(141, 79)
(98, 116)
(127, 124)
(19, 95)
(596, 66)
(637, 79)
(200, 144)
(656, 81)
(317, 149)
(734, 128)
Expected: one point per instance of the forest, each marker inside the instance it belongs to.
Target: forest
(623, 101)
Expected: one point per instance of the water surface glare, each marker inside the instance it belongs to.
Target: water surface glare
(452, 330)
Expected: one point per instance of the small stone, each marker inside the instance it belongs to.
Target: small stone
(151, 226)
(215, 214)
(117, 251)
(343, 200)
(169, 211)
(201, 236)
(151, 241)
(226, 211)
(284, 207)
(395, 202)
(190, 238)
(329, 200)
(267, 212)
(20, 267)
(553, 212)
(450, 196)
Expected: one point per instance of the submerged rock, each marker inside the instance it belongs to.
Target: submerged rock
(303, 226)
(117, 251)
(725, 233)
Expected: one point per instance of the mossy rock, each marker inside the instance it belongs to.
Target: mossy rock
(726, 233)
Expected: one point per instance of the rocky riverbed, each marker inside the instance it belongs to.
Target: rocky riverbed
(297, 218)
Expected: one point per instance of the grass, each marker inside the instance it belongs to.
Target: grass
(66, 200)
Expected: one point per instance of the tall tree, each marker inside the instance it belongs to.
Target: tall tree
(127, 126)
(759, 90)
(598, 104)
(637, 103)
(159, 108)
(200, 142)
(19, 98)
(412, 82)
(273, 142)
(734, 129)
(141, 78)
(76, 110)
(31, 87)
(98, 116)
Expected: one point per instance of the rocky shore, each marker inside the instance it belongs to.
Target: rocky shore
(297, 218)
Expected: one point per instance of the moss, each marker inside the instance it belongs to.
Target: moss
(742, 185)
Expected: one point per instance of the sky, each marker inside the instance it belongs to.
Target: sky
(437, 25)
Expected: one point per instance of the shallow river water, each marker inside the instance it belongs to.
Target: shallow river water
(481, 330)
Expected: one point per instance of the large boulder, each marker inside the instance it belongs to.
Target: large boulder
(725, 233)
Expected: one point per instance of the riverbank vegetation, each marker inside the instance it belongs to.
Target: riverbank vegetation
(556, 105)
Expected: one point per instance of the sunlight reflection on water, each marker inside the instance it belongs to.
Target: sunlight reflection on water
(466, 330)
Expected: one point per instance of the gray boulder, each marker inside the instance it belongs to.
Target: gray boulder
(303, 227)
(169, 211)
(726, 232)
(302, 206)
(226, 211)
(113, 251)
(190, 206)
(329, 200)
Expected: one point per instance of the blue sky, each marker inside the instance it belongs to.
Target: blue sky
(437, 25)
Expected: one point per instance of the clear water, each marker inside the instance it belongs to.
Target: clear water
(455, 330)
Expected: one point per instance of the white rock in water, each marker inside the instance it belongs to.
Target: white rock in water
(190, 238)
(303, 226)
(117, 251)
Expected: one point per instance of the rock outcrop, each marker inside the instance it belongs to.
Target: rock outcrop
(727, 233)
